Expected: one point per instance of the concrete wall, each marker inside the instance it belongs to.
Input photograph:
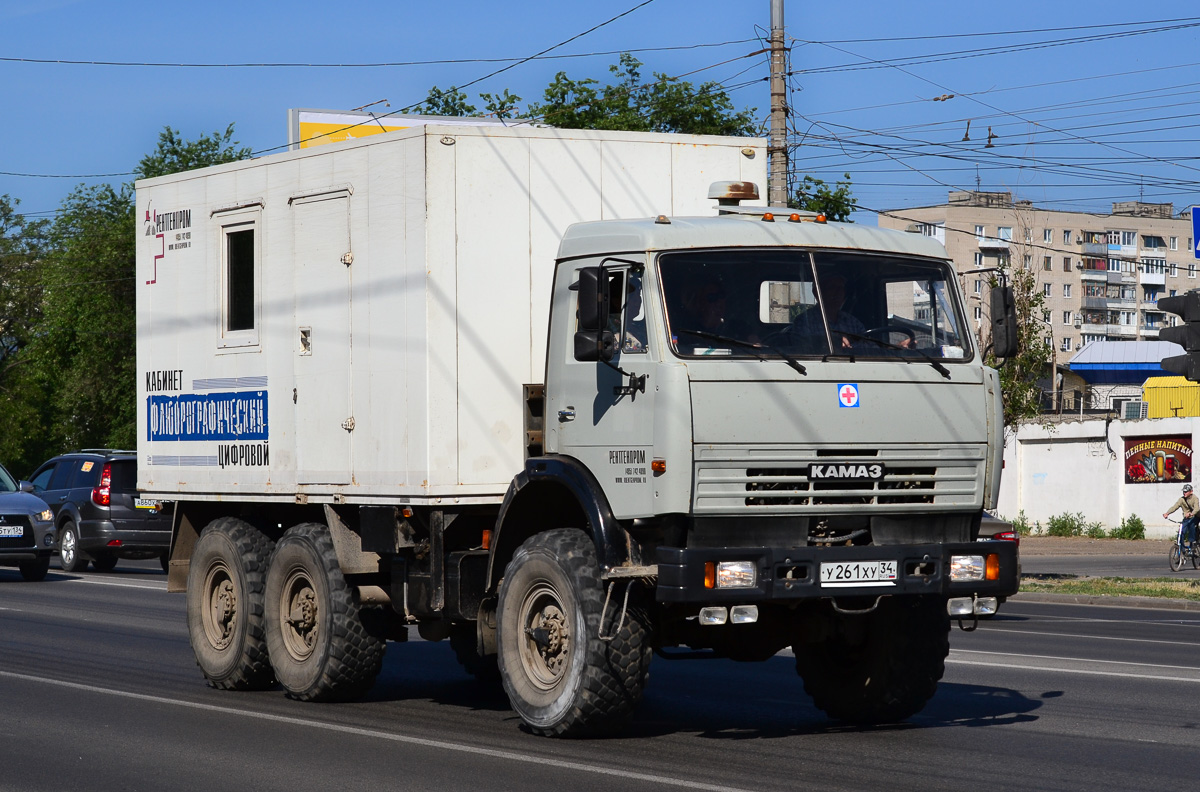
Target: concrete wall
(1079, 466)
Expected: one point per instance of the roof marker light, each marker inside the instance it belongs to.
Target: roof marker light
(768, 217)
(793, 218)
(820, 218)
(663, 220)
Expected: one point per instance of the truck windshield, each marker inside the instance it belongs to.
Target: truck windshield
(743, 303)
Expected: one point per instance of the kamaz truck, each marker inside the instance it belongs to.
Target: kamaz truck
(567, 400)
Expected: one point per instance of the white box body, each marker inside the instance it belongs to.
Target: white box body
(401, 289)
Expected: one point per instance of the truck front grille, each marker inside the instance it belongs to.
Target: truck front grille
(732, 479)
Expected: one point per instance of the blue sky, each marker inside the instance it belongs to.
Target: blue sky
(1100, 111)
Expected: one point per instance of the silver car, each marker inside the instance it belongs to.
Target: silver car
(26, 528)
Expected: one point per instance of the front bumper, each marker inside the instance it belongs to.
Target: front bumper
(794, 574)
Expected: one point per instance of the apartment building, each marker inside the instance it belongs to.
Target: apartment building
(1101, 275)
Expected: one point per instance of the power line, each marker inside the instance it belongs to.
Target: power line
(378, 65)
(995, 33)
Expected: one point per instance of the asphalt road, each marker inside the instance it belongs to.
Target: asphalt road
(99, 691)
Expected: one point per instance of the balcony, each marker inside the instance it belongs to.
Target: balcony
(1096, 303)
(1088, 328)
(1121, 331)
(1150, 332)
(1129, 252)
(992, 243)
(1094, 274)
(1121, 304)
(1153, 278)
(1097, 249)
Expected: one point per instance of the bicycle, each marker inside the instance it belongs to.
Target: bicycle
(1181, 550)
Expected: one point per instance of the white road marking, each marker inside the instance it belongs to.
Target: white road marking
(1018, 631)
(118, 584)
(555, 762)
(1074, 665)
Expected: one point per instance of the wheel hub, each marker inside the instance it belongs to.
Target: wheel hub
(301, 616)
(546, 650)
(222, 608)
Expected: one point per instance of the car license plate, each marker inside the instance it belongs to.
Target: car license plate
(858, 573)
(145, 503)
(11, 531)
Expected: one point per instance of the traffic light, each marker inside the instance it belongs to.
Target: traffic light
(1187, 335)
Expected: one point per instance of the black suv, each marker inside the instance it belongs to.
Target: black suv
(97, 511)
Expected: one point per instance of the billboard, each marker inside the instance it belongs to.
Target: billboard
(1157, 460)
(308, 128)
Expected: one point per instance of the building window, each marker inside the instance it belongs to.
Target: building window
(979, 231)
(1046, 317)
(1066, 263)
(1066, 290)
(1172, 293)
(978, 259)
(1046, 292)
(1128, 238)
(1046, 265)
(1174, 270)
(978, 313)
(978, 286)
(1006, 233)
(1066, 317)
(1028, 234)
(1066, 237)
(1048, 235)
(1028, 262)
(1066, 344)
(1174, 243)
(1191, 270)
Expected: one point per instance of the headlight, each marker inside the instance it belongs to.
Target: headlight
(45, 515)
(736, 574)
(966, 567)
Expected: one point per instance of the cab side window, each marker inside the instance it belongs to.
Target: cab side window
(41, 479)
(633, 340)
(62, 474)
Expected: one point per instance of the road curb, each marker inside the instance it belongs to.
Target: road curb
(1109, 600)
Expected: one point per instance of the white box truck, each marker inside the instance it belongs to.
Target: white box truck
(532, 391)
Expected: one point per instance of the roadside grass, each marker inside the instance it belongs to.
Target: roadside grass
(1166, 588)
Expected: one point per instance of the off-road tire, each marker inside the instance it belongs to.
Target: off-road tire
(69, 557)
(464, 642)
(33, 571)
(320, 647)
(890, 672)
(225, 588)
(571, 683)
(104, 562)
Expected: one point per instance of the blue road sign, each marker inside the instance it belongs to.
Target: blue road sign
(1195, 233)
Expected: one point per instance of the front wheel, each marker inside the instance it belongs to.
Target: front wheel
(880, 667)
(320, 648)
(33, 571)
(225, 605)
(561, 677)
(69, 557)
(1176, 557)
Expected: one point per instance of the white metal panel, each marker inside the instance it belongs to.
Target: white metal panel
(564, 188)
(440, 333)
(322, 381)
(492, 197)
(695, 167)
(636, 180)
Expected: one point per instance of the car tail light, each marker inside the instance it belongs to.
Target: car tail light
(1008, 536)
(102, 495)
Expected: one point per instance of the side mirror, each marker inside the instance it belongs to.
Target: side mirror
(593, 298)
(595, 345)
(1005, 342)
(25, 486)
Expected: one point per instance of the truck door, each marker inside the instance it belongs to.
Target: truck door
(322, 398)
(598, 417)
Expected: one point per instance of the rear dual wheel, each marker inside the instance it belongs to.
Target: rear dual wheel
(319, 645)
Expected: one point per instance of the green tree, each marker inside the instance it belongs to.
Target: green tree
(665, 104)
(450, 102)
(80, 355)
(21, 244)
(814, 195)
(174, 154)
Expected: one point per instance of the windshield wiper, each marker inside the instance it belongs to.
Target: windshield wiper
(755, 349)
(938, 367)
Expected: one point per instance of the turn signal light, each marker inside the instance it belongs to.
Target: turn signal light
(993, 567)
(487, 538)
(710, 574)
(658, 466)
(102, 495)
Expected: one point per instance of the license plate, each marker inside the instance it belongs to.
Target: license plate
(858, 573)
(145, 503)
(11, 531)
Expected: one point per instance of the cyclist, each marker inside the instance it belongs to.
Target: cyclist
(1190, 505)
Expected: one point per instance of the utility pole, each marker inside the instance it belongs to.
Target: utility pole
(777, 192)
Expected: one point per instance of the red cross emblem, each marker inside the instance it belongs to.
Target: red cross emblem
(848, 395)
